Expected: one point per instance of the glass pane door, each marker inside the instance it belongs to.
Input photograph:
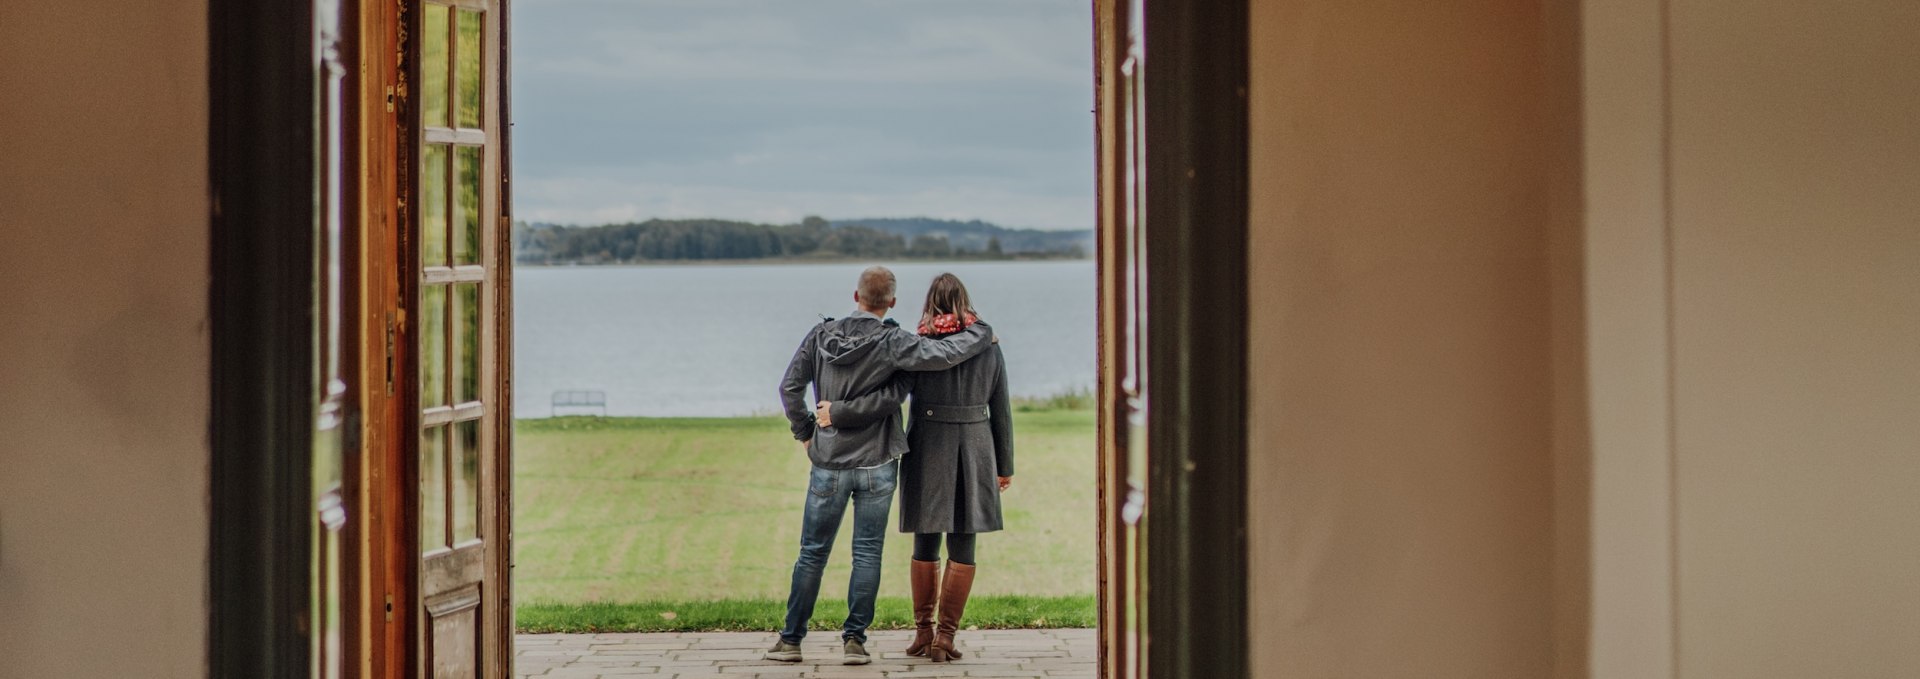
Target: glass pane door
(456, 339)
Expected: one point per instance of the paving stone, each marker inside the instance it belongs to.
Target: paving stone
(1005, 654)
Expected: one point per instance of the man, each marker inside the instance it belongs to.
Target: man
(844, 359)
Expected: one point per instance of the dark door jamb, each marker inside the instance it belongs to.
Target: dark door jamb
(261, 172)
(1196, 223)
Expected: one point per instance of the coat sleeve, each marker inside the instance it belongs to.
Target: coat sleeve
(793, 388)
(913, 352)
(1000, 418)
(873, 406)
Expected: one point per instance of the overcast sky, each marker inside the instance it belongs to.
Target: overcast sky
(769, 110)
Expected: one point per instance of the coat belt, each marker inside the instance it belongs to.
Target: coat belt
(950, 414)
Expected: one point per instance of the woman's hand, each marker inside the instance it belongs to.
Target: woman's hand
(823, 413)
(1004, 482)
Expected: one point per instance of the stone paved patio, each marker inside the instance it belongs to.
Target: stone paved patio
(733, 655)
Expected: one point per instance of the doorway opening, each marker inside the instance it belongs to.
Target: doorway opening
(726, 177)
(362, 222)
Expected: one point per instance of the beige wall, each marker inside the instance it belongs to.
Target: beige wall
(1653, 414)
(1754, 259)
(103, 307)
(1795, 230)
(1628, 345)
(1403, 383)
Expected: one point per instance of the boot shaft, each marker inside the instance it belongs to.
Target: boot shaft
(955, 585)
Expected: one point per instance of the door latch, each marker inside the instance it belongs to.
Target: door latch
(390, 331)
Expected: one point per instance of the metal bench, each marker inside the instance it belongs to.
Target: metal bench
(579, 399)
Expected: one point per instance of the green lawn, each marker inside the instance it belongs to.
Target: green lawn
(764, 615)
(646, 516)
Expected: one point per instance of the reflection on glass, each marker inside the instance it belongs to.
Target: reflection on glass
(467, 68)
(466, 481)
(466, 343)
(466, 205)
(433, 206)
(433, 489)
(433, 68)
(433, 346)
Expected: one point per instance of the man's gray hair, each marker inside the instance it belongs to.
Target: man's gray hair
(876, 287)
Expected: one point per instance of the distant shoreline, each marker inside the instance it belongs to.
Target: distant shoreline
(784, 261)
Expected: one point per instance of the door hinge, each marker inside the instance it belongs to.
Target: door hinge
(390, 331)
(389, 608)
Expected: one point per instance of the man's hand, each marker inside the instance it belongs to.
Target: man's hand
(823, 413)
(1005, 481)
(804, 444)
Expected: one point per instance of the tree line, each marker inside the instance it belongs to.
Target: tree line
(664, 240)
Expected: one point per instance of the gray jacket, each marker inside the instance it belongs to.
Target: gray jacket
(851, 357)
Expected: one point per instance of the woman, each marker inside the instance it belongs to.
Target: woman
(961, 442)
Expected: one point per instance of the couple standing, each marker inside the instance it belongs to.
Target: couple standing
(961, 443)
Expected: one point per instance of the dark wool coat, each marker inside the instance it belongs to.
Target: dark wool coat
(959, 438)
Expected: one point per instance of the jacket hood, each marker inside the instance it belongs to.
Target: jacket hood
(849, 340)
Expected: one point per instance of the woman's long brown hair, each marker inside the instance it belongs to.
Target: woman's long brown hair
(947, 295)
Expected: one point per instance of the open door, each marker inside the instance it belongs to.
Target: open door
(456, 338)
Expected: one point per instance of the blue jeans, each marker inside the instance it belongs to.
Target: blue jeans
(828, 491)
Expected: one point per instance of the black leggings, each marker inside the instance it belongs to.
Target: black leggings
(926, 547)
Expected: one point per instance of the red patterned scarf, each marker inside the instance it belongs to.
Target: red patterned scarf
(945, 324)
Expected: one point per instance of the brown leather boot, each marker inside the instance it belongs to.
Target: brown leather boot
(954, 587)
(926, 591)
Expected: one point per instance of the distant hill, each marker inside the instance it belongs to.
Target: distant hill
(814, 238)
(974, 235)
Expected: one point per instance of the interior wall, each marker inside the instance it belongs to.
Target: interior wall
(1754, 304)
(1571, 406)
(1795, 218)
(1627, 274)
(103, 308)
(1402, 380)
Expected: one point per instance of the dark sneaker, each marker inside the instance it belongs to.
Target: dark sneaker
(856, 654)
(784, 652)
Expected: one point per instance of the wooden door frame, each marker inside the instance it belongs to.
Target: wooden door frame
(261, 163)
(1192, 564)
(502, 597)
(386, 567)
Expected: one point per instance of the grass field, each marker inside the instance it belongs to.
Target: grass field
(765, 615)
(700, 518)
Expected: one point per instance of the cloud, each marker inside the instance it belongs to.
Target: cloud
(768, 110)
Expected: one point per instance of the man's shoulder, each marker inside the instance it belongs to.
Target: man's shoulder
(820, 325)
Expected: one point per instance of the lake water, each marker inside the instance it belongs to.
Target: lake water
(715, 340)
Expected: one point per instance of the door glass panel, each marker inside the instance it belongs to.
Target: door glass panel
(466, 205)
(458, 222)
(433, 206)
(433, 489)
(433, 346)
(466, 481)
(466, 343)
(433, 68)
(467, 68)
